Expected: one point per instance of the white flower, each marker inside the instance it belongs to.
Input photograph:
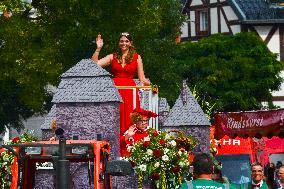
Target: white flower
(166, 150)
(124, 158)
(142, 167)
(149, 152)
(6, 158)
(147, 138)
(167, 136)
(157, 164)
(147, 158)
(129, 148)
(181, 163)
(173, 143)
(165, 158)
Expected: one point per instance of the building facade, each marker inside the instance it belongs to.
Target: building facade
(264, 17)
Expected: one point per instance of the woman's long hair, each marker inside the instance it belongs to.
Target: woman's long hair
(130, 53)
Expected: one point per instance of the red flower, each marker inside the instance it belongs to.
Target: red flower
(162, 142)
(155, 176)
(176, 169)
(16, 139)
(155, 133)
(157, 153)
(146, 143)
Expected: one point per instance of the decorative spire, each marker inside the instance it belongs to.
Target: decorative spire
(184, 94)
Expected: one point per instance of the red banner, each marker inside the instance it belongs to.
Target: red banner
(250, 124)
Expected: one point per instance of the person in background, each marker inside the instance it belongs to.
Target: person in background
(257, 176)
(270, 172)
(202, 170)
(125, 64)
(137, 131)
(278, 165)
(279, 183)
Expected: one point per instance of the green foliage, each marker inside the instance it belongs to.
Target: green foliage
(7, 159)
(235, 73)
(206, 106)
(28, 64)
(37, 45)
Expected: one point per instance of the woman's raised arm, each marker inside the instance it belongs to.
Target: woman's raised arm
(104, 61)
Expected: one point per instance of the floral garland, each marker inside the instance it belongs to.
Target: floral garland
(161, 158)
(7, 159)
(155, 88)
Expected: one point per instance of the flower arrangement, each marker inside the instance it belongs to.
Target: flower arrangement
(155, 88)
(7, 159)
(161, 158)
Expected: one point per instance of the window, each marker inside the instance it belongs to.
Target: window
(202, 27)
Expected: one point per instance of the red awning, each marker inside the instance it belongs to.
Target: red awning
(274, 145)
(257, 124)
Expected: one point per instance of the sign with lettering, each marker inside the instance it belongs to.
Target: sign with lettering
(249, 124)
(228, 145)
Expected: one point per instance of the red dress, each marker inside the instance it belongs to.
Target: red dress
(123, 76)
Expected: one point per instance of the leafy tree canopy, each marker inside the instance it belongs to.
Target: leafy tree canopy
(44, 38)
(235, 73)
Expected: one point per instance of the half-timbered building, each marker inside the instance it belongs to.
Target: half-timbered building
(264, 17)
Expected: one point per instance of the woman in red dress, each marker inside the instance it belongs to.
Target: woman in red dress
(125, 64)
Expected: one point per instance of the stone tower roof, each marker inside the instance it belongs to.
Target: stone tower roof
(186, 111)
(163, 105)
(86, 82)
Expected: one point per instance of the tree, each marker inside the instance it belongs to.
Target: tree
(236, 73)
(26, 68)
(45, 38)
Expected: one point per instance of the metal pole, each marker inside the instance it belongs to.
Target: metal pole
(62, 166)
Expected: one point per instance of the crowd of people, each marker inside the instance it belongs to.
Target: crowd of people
(205, 177)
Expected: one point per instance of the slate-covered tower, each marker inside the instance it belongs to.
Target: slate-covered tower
(86, 104)
(186, 115)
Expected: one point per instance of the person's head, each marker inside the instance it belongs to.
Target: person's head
(257, 173)
(202, 165)
(281, 174)
(271, 164)
(125, 44)
(278, 164)
(125, 41)
(141, 117)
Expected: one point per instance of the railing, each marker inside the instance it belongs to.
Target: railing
(148, 101)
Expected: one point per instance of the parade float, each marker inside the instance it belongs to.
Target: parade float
(86, 107)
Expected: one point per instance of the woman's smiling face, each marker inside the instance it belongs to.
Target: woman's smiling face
(124, 43)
